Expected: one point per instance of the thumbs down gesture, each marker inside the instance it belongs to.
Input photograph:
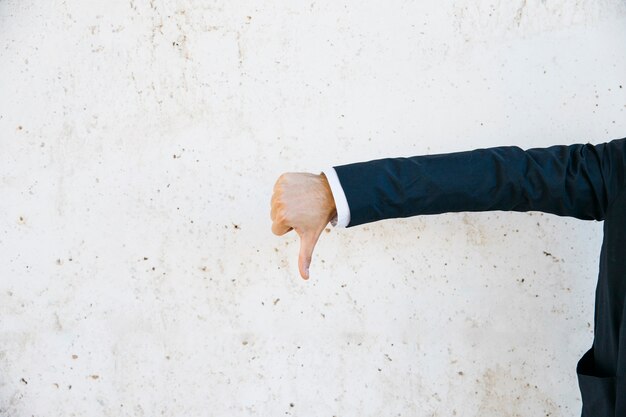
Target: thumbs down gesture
(302, 202)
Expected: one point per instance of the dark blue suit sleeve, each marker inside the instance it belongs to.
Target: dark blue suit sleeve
(575, 180)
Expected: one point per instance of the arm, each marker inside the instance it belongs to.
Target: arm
(576, 180)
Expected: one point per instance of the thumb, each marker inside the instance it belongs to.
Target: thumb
(308, 240)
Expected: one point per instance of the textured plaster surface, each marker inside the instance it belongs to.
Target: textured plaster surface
(139, 143)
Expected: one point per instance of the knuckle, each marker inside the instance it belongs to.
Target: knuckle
(277, 189)
(276, 195)
(281, 216)
(281, 179)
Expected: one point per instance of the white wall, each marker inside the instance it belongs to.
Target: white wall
(140, 141)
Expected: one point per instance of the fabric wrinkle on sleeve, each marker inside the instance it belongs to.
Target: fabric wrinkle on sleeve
(341, 202)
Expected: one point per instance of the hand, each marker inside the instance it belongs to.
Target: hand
(304, 203)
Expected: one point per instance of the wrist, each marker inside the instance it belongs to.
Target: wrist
(329, 201)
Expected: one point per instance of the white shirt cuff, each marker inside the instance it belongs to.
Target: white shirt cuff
(341, 203)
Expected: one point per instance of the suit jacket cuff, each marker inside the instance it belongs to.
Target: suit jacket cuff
(341, 202)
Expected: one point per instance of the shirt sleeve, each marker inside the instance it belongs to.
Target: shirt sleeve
(569, 180)
(341, 203)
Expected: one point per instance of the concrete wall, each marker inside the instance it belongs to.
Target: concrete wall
(140, 141)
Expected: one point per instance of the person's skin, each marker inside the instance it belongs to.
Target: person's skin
(302, 202)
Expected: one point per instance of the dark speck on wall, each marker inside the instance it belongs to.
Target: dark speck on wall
(548, 254)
